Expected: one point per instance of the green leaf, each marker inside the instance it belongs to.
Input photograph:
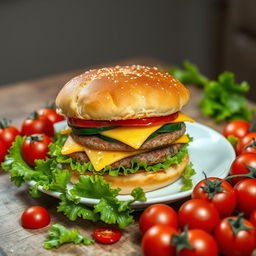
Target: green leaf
(93, 187)
(59, 235)
(60, 179)
(223, 99)
(109, 208)
(113, 211)
(110, 213)
(138, 194)
(189, 75)
(19, 170)
(187, 180)
(73, 210)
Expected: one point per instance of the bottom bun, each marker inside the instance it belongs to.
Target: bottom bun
(148, 181)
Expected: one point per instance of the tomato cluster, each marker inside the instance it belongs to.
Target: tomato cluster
(38, 127)
(204, 225)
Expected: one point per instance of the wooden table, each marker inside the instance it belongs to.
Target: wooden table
(16, 102)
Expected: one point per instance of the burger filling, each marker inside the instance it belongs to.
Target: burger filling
(124, 150)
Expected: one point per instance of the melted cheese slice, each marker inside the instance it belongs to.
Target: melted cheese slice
(71, 146)
(132, 136)
(136, 136)
(100, 159)
(183, 139)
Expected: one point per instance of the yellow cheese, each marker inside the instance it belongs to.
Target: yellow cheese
(136, 136)
(132, 136)
(71, 146)
(66, 130)
(183, 139)
(182, 118)
(100, 159)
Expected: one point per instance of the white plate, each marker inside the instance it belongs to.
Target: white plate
(209, 152)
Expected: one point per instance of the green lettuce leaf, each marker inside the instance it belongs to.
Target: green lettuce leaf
(187, 181)
(19, 170)
(93, 187)
(189, 75)
(223, 99)
(73, 209)
(59, 235)
(113, 211)
(109, 209)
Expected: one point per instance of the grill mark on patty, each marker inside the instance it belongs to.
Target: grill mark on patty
(161, 140)
(152, 157)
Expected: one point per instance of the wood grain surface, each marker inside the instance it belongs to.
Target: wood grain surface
(16, 102)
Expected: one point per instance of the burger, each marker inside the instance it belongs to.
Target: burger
(125, 124)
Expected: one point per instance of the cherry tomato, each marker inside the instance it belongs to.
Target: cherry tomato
(51, 114)
(35, 217)
(202, 242)
(157, 241)
(198, 214)
(8, 133)
(244, 142)
(3, 151)
(107, 235)
(158, 214)
(231, 244)
(237, 128)
(129, 122)
(37, 124)
(246, 196)
(218, 192)
(35, 147)
(239, 165)
(253, 217)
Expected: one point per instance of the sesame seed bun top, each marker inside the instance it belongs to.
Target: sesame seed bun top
(121, 92)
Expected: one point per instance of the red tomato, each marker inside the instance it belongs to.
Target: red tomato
(158, 214)
(239, 165)
(129, 122)
(3, 151)
(157, 241)
(35, 217)
(231, 244)
(237, 128)
(107, 235)
(244, 142)
(37, 124)
(198, 214)
(35, 147)
(51, 114)
(203, 244)
(246, 196)
(218, 192)
(8, 133)
(253, 217)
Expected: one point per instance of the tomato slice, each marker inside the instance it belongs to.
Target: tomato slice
(149, 121)
(107, 235)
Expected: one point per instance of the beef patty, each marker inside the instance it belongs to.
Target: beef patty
(152, 157)
(161, 140)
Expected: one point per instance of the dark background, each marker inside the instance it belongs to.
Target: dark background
(39, 38)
